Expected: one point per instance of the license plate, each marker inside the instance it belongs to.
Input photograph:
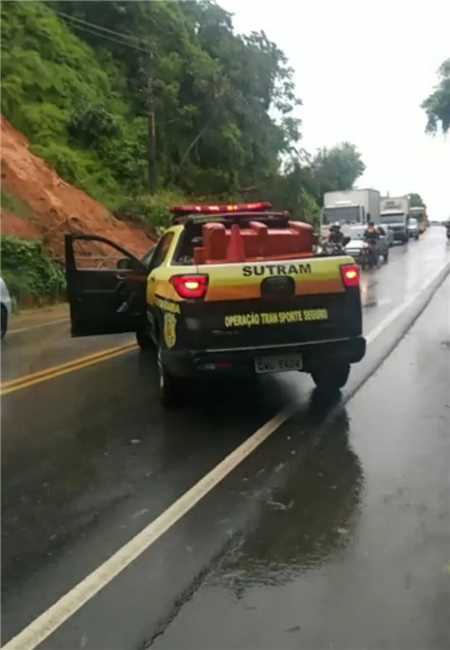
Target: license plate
(278, 363)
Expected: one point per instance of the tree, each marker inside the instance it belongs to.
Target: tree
(415, 200)
(437, 105)
(223, 102)
(84, 80)
(336, 168)
(290, 190)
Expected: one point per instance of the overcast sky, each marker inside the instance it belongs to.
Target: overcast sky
(362, 69)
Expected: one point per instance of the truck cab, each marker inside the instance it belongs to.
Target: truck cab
(356, 207)
(394, 216)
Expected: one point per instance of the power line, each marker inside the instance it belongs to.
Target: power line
(88, 30)
(96, 26)
(92, 28)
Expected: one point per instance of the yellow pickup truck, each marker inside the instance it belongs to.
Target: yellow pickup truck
(228, 289)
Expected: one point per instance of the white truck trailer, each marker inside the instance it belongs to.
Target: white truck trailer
(351, 206)
(394, 212)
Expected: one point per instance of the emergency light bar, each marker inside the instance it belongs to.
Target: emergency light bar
(217, 209)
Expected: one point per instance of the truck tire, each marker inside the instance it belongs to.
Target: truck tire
(330, 378)
(169, 386)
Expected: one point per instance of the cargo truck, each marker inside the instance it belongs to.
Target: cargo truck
(394, 212)
(420, 213)
(350, 207)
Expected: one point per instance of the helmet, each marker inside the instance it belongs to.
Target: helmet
(336, 226)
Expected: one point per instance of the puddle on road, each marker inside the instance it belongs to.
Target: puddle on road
(309, 514)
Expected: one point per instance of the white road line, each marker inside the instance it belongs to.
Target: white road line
(45, 624)
(66, 606)
(34, 327)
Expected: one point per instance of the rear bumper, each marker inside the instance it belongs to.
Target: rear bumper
(358, 255)
(189, 363)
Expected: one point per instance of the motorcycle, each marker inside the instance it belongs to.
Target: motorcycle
(364, 253)
(372, 254)
(334, 249)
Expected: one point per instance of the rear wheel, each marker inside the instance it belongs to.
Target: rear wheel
(372, 261)
(364, 261)
(386, 256)
(169, 386)
(329, 378)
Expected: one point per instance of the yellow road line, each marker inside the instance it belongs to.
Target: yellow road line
(63, 609)
(27, 328)
(25, 381)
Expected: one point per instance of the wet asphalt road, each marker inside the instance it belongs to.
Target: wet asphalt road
(333, 534)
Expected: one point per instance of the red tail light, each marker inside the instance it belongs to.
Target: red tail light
(350, 275)
(190, 286)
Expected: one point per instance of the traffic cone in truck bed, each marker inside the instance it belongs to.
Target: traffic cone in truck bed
(236, 249)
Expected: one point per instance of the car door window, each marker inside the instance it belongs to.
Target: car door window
(97, 255)
(161, 251)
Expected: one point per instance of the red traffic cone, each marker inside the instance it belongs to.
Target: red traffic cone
(236, 250)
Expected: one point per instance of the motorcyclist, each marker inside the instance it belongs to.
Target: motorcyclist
(371, 236)
(336, 236)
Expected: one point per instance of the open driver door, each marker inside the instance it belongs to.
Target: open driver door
(106, 286)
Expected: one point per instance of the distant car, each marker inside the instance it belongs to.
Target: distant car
(359, 249)
(5, 305)
(413, 228)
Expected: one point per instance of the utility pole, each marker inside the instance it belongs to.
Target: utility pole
(151, 120)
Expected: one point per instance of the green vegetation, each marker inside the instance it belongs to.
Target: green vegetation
(437, 105)
(84, 80)
(337, 168)
(415, 200)
(153, 209)
(28, 271)
(15, 205)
